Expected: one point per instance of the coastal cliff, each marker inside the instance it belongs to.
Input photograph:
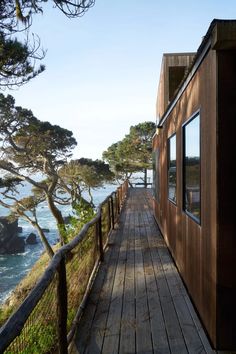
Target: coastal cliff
(10, 242)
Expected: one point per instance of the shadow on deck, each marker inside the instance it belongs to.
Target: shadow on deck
(138, 303)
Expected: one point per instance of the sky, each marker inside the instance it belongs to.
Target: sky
(102, 69)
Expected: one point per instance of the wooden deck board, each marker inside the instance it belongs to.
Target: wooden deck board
(138, 303)
(112, 333)
(158, 328)
(128, 321)
(95, 336)
(143, 327)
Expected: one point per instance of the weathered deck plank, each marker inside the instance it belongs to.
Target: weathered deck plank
(143, 327)
(112, 333)
(138, 303)
(158, 328)
(92, 327)
(128, 322)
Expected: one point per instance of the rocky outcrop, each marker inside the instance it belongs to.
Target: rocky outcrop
(31, 239)
(10, 242)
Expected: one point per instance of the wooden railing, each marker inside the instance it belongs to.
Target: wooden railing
(46, 320)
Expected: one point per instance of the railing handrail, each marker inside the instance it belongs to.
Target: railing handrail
(18, 318)
(12, 328)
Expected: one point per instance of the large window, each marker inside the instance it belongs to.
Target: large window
(156, 176)
(172, 168)
(191, 160)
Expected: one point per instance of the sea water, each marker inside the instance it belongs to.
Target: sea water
(15, 266)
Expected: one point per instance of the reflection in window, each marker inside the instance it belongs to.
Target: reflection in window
(156, 175)
(172, 168)
(192, 168)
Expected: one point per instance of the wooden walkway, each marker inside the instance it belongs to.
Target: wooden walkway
(138, 303)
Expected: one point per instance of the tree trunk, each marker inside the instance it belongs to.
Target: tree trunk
(145, 178)
(44, 240)
(91, 197)
(59, 218)
(128, 176)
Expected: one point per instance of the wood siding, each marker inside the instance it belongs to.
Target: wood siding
(205, 252)
(175, 60)
(193, 246)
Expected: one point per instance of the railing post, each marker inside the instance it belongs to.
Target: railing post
(62, 308)
(112, 214)
(116, 206)
(99, 234)
(120, 198)
(109, 214)
(118, 201)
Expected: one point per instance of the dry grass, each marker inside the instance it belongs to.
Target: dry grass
(24, 287)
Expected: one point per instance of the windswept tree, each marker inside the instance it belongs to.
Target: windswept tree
(19, 54)
(133, 153)
(28, 147)
(25, 9)
(39, 154)
(84, 175)
(18, 60)
(119, 157)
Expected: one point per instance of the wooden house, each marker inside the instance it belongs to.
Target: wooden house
(194, 152)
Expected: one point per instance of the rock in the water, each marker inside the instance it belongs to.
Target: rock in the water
(31, 239)
(10, 242)
(16, 245)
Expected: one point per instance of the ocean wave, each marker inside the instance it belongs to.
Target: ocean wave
(7, 268)
(22, 254)
(4, 295)
(3, 269)
(10, 276)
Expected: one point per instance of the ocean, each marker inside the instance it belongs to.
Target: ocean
(14, 267)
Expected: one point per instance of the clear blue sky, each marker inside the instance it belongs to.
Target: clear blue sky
(102, 70)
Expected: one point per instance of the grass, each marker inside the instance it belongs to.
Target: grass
(23, 288)
(39, 334)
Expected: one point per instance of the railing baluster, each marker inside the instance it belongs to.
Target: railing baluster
(109, 213)
(112, 213)
(99, 235)
(116, 207)
(62, 307)
(118, 200)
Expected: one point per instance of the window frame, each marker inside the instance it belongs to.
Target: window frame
(168, 166)
(156, 176)
(188, 213)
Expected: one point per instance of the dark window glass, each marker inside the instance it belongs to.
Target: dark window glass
(191, 161)
(176, 75)
(172, 168)
(156, 177)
